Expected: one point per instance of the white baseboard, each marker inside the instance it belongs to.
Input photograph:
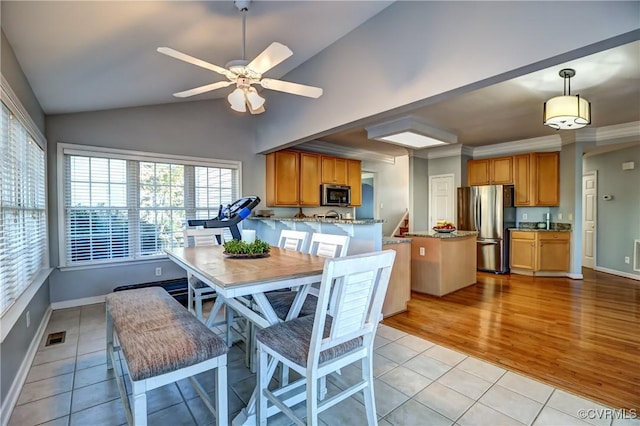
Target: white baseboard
(77, 302)
(575, 276)
(619, 273)
(14, 392)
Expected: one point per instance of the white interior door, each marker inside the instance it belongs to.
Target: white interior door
(441, 198)
(589, 210)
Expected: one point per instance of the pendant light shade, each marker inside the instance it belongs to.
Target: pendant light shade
(567, 111)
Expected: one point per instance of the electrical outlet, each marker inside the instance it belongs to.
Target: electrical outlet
(525, 216)
(381, 206)
(29, 316)
(559, 216)
(158, 272)
(627, 259)
(421, 251)
(570, 216)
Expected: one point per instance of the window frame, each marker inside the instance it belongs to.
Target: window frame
(13, 313)
(117, 153)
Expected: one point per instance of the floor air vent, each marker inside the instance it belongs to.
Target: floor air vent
(55, 338)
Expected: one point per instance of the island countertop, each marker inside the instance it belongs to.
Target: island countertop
(442, 235)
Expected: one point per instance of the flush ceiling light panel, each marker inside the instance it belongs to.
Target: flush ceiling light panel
(410, 132)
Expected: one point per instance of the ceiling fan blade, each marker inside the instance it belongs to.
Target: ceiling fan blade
(202, 89)
(195, 61)
(270, 57)
(288, 87)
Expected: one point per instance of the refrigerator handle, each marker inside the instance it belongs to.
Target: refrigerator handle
(476, 213)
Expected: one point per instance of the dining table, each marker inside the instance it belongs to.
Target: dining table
(235, 278)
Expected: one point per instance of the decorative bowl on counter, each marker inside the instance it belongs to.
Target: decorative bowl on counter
(443, 230)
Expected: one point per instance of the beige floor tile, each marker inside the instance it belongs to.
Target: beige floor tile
(108, 414)
(176, 415)
(387, 398)
(347, 412)
(627, 418)
(379, 341)
(41, 411)
(381, 365)
(45, 388)
(445, 355)
(552, 417)
(482, 369)
(51, 369)
(415, 343)
(444, 400)
(511, 403)
(465, 383)
(389, 333)
(163, 397)
(60, 421)
(93, 395)
(428, 367)
(405, 380)
(91, 375)
(572, 405)
(91, 359)
(414, 413)
(481, 415)
(525, 386)
(54, 354)
(396, 353)
(91, 343)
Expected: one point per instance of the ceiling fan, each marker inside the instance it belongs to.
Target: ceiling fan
(244, 74)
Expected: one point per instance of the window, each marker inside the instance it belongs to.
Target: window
(23, 210)
(122, 205)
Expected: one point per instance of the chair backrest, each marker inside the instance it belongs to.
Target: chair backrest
(329, 245)
(292, 240)
(203, 237)
(360, 283)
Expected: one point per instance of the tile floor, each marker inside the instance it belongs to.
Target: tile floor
(416, 383)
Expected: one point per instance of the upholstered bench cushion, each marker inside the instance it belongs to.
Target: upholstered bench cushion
(281, 302)
(157, 334)
(292, 340)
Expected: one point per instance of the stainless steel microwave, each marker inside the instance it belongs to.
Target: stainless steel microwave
(335, 195)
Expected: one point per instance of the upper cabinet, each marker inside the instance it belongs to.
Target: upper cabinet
(490, 171)
(294, 178)
(537, 179)
(334, 170)
(354, 180)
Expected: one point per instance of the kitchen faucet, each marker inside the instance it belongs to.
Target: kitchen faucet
(332, 213)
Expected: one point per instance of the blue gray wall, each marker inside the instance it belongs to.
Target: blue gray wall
(618, 219)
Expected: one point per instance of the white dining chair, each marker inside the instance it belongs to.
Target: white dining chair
(198, 291)
(315, 346)
(292, 240)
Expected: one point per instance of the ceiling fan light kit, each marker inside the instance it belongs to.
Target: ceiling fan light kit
(567, 112)
(244, 74)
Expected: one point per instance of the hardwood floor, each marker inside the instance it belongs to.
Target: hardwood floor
(582, 336)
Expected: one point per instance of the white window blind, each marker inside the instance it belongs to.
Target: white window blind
(23, 214)
(120, 205)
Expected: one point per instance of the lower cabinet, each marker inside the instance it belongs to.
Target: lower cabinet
(539, 252)
(399, 290)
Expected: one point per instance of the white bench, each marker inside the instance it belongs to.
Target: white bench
(161, 342)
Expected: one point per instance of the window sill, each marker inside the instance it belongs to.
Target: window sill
(158, 258)
(12, 315)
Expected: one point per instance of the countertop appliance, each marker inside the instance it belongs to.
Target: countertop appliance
(489, 211)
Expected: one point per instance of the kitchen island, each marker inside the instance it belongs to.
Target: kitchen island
(442, 263)
(365, 234)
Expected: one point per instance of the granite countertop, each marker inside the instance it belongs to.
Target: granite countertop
(395, 240)
(441, 235)
(320, 220)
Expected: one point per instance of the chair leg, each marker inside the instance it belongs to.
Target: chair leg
(198, 301)
(109, 339)
(140, 409)
(229, 314)
(189, 295)
(312, 399)
(222, 405)
(263, 383)
(369, 397)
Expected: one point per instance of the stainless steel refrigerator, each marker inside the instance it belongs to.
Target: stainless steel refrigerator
(489, 211)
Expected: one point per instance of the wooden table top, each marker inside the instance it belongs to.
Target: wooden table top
(229, 272)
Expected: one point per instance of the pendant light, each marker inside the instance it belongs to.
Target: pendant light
(567, 112)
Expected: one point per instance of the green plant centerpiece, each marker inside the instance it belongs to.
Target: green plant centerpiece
(242, 249)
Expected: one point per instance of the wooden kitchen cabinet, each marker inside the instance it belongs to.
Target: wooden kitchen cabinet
(537, 179)
(334, 170)
(309, 179)
(539, 252)
(354, 180)
(283, 178)
(490, 171)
